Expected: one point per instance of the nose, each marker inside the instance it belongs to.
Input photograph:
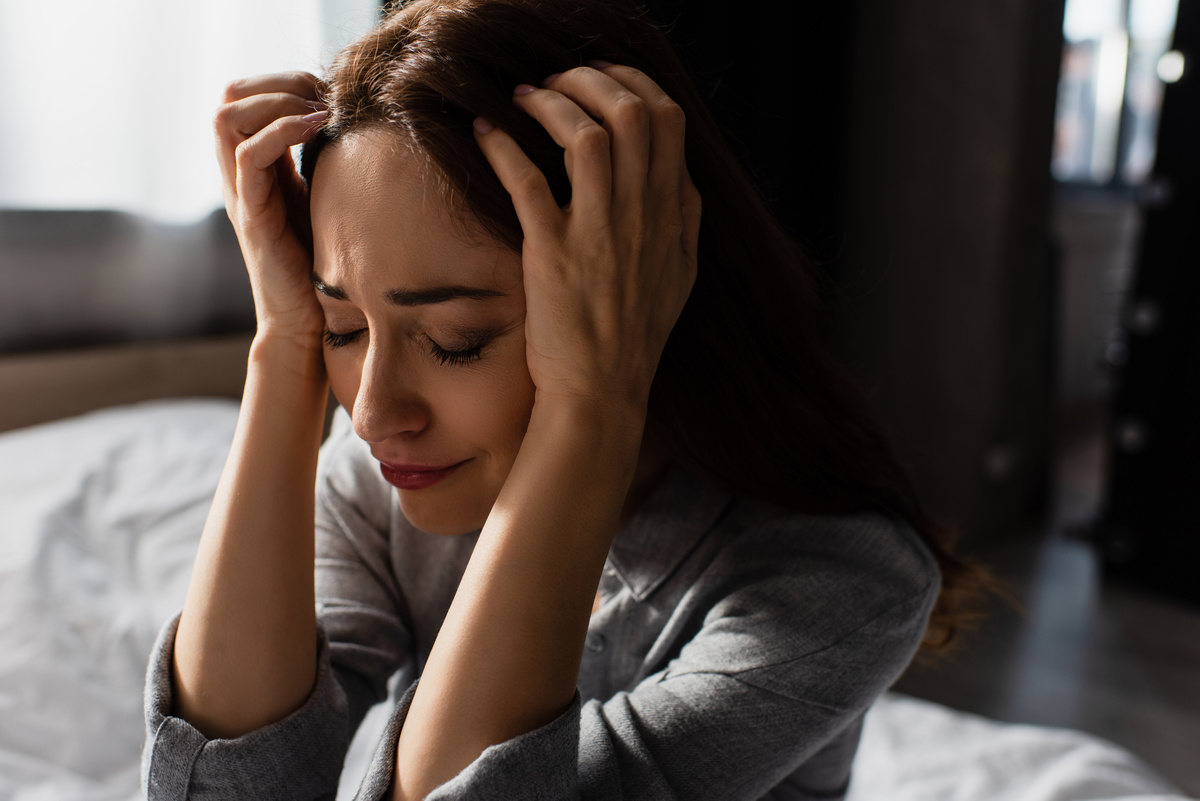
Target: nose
(388, 402)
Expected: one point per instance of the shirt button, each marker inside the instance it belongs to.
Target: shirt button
(594, 642)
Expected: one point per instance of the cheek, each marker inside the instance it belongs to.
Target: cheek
(344, 376)
(497, 402)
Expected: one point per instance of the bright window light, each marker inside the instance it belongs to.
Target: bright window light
(1091, 19)
(109, 105)
(1170, 66)
(1110, 88)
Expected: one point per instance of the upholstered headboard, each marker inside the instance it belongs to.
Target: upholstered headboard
(39, 387)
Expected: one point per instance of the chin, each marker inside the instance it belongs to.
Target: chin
(444, 517)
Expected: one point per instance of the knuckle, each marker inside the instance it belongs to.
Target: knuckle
(672, 114)
(528, 182)
(671, 225)
(223, 118)
(302, 80)
(630, 112)
(591, 142)
(243, 154)
(233, 90)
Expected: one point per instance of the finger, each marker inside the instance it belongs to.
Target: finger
(586, 144)
(537, 210)
(301, 84)
(667, 121)
(251, 115)
(236, 121)
(624, 115)
(295, 199)
(256, 157)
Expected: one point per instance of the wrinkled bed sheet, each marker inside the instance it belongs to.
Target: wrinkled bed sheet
(100, 517)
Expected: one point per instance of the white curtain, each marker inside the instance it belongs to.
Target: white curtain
(108, 105)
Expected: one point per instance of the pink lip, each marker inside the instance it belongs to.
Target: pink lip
(415, 476)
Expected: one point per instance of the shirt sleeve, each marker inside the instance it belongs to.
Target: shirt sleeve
(783, 663)
(363, 637)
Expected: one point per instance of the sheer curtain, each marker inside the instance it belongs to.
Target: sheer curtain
(109, 105)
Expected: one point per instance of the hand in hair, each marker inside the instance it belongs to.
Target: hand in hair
(606, 277)
(256, 125)
(605, 280)
(243, 654)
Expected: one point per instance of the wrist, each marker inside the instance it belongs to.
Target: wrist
(590, 423)
(294, 353)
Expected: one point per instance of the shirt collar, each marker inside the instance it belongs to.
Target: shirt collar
(664, 529)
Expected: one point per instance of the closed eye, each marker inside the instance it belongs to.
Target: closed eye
(334, 340)
(456, 357)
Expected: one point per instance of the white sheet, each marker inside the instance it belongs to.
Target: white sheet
(914, 750)
(99, 521)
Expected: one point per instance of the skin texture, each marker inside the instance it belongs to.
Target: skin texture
(549, 421)
(376, 230)
(244, 653)
(605, 280)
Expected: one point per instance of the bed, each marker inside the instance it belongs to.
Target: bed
(108, 461)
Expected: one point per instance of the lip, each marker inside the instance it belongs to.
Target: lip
(415, 476)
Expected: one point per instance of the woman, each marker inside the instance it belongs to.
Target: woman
(598, 482)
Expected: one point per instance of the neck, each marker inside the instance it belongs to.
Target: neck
(652, 465)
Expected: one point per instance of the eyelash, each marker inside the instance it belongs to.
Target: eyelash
(340, 340)
(444, 357)
(455, 357)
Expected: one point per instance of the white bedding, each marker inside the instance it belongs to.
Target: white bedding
(99, 520)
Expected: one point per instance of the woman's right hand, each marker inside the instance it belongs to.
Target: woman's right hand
(256, 125)
(250, 606)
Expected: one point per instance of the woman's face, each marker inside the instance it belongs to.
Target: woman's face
(426, 339)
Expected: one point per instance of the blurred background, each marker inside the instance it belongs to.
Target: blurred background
(1004, 195)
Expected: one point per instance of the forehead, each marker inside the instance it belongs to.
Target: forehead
(376, 212)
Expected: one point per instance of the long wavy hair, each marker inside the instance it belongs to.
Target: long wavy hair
(748, 393)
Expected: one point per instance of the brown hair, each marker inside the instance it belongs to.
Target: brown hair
(747, 393)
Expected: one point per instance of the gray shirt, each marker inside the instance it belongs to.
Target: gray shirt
(736, 650)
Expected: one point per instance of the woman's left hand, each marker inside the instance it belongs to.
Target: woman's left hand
(605, 280)
(607, 276)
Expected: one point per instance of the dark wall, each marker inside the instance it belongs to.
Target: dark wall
(908, 144)
(1149, 532)
(947, 246)
(777, 79)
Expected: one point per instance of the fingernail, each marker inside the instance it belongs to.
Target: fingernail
(484, 126)
(550, 79)
(599, 63)
(316, 105)
(316, 116)
(522, 89)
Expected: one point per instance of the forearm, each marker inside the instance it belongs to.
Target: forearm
(245, 653)
(506, 660)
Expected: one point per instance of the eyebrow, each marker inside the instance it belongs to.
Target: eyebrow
(415, 297)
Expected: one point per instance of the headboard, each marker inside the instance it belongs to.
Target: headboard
(40, 387)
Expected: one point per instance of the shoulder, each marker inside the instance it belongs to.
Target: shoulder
(787, 586)
(874, 558)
